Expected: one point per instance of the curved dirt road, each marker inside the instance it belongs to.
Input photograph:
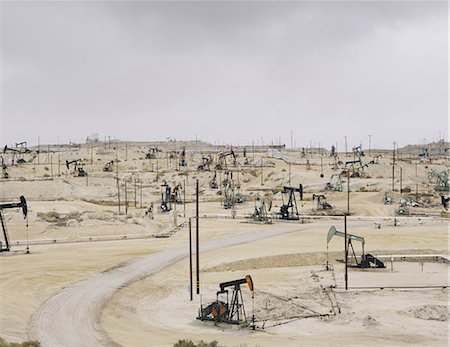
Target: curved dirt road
(71, 317)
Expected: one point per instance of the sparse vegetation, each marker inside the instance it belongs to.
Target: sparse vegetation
(4, 343)
(189, 343)
(59, 219)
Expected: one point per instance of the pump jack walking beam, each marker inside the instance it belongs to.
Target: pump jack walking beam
(23, 205)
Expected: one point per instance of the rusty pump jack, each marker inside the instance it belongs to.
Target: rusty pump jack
(229, 311)
(23, 205)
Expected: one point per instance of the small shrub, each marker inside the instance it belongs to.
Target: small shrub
(50, 217)
(4, 343)
(189, 343)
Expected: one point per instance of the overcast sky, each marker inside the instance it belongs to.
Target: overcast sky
(228, 72)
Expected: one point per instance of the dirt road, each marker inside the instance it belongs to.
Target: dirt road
(71, 317)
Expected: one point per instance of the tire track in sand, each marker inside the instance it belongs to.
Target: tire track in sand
(71, 318)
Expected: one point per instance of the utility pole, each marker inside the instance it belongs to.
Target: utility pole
(289, 174)
(370, 142)
(39, 149)
(126, 198)
(292, 140)
(346, 253)
(321, 167)
(197, 246)
(190, 261)
(346, 151)
(348, 191)
(262, 180)
(135, 195)
(118, 184)
(393, 168)
(157, 170)
(253, 150)
(401, 177)
(140, 192)
(184, 202)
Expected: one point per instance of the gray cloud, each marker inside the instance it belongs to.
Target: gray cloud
(225, 70)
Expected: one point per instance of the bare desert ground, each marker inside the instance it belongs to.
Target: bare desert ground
(104, 271)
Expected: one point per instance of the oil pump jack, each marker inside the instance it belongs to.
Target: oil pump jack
(322, 203)
(17, 154)
(170, 196)
(5, 173)
(166, 195)
(424, 154)
(261, 212)
(182, 162)
(213, 183)
(225, 310)
(78, 169)
(358, 171)
(109, 166)
(376, 159)
(333, 151)
(206, 162)
(358, 152)
(152, 153)
(228, 190)
(246, 162)
(444, 201)
(222, 159)
(288, 210)
(176, 195)
(441, 180)
(367, 260)
(23, 205)
(335, 183)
